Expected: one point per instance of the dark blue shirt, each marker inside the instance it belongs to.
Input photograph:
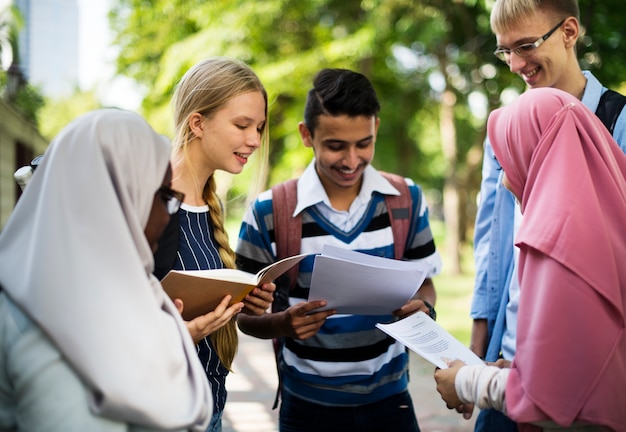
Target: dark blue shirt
(197, 250)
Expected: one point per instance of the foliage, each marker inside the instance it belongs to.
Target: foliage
(56, 113)
(21, 95)
(28, 99)
(430, 60)
(286, 42)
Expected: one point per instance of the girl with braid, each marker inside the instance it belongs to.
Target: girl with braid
(220, 112)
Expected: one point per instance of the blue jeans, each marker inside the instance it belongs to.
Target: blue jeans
(491, 420)
(392, 414)
(216, 422)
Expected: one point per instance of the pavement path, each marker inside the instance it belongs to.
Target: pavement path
(252, 388)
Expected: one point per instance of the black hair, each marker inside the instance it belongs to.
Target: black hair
(339, 92)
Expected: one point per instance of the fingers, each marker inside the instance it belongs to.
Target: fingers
(304, 322)
(456, 364)
(445, 386)
(259, 299)
(224, 303)
(269, 287)
(503, 364)
(306, 308)
(466, 410)
(180, 306)
(410, 307)
(203, 325)
(225, 312)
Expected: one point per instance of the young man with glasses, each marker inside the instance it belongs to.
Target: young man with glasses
(537, 40)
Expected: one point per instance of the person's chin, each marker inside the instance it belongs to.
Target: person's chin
(234, 169)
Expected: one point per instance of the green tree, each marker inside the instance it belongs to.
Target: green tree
(430, 60)
(15, 89)
(57, 113)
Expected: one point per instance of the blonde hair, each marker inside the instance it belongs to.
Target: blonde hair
(507, 13)
(206, 88)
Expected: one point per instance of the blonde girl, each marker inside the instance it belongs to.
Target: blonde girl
(220, 113)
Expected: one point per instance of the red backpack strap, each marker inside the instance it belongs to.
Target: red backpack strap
(287, 229)
(399, 208)
(287, 235)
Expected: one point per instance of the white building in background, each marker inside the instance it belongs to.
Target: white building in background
(49, 45)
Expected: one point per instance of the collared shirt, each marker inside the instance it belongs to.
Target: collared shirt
(348, 362)
(510, 332)
(311, 192)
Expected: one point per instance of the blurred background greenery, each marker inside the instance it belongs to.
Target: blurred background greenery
(454, 291)
(430, 60)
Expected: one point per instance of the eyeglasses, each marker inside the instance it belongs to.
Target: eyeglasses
(524, 50)
(172, 199)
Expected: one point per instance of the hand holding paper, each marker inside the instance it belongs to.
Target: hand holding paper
(357, 283)
(424, 336)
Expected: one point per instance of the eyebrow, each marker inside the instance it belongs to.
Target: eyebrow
(522, 41)
(338, 141)
(246, 118)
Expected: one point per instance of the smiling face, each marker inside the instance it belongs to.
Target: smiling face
(554, 62)
(232, 134)
(343, 147)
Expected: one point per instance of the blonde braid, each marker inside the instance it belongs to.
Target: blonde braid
(225, 339)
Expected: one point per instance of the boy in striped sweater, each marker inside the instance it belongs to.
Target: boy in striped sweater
(338, 372)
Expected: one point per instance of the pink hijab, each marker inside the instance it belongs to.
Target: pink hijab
(570, 362)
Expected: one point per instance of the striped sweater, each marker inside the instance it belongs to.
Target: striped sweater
(348, 362)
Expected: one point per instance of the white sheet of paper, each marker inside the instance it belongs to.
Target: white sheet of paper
(421, 334)
(356, 283)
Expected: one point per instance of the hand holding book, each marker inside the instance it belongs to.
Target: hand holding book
(202, 290)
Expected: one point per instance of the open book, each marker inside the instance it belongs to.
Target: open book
(202, 290)
(357, 283)
(421, 334)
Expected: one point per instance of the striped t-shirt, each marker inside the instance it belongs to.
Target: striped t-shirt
(348, 362)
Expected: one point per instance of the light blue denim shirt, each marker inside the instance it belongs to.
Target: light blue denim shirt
(493, 233)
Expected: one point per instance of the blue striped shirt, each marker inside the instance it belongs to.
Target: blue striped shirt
(348, 362)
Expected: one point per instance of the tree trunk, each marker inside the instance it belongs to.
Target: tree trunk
(451, 206)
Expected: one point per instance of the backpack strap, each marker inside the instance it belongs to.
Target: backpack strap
(287, 229)
(609, 108)
(287, 235)
(399, 209)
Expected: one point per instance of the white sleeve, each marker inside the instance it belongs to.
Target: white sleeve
(482, 385)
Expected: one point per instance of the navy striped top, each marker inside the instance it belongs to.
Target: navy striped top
(197, 250)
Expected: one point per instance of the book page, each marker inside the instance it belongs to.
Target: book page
(357, 283)
(202, 290)
(421, 334)
(274, 270)
(224, 274)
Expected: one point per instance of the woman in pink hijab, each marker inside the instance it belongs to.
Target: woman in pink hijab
(569, 177)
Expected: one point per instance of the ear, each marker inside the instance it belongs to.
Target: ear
(305, 134)
(571, 31)
(196, 124)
